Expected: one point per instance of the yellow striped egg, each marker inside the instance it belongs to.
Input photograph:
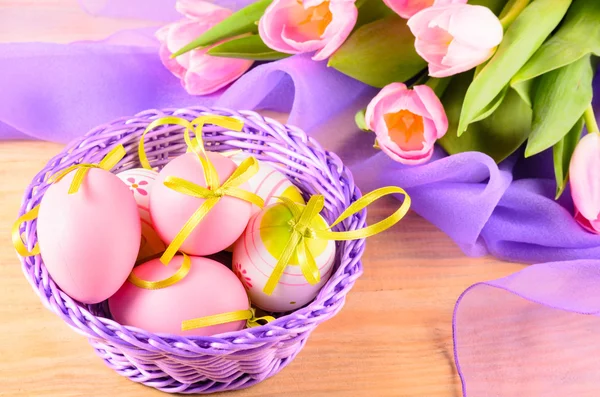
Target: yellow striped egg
(268, 183)
(256, 253)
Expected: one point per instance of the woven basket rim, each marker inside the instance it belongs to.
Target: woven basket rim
(81, 318)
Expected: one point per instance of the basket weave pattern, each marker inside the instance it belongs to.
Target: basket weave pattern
(230, 361)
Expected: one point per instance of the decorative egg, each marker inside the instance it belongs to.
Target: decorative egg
(256, 253)
(140, 182)
(269, 183)
(89, 240)
(170, 210)
(208, 289)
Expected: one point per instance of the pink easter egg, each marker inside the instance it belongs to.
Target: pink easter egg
(208, 289)
(170, 210)
(89, 240)
(256, 253)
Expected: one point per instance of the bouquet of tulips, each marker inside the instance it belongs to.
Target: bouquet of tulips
(486, 76)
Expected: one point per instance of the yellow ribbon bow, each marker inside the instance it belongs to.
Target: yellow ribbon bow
(223, 318)
(214, 191)
(109, 161)
(302, 230)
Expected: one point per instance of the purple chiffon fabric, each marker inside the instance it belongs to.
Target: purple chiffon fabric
(534, 333)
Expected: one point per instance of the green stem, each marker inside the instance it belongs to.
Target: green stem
(438, 85)
(590, 120)
(512, 10)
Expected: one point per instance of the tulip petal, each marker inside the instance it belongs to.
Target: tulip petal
(344, 16)
(425, 157)
(590, 226)
(273, 23)
(585, 176)
(422, 21)
(162, 33)
(202, 10)
(434, 107)
(373, 109)
(312, 3)
(476, 26)
(183, 32)
(171, 64)
(208, 74)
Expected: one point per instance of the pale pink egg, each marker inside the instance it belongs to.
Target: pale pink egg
(208, 289)
(257, 251)
(269, 183)
(89, 240)
(170, 210)
(140, 182)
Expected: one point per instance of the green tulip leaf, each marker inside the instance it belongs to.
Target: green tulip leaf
(370, 11)
(561, 98)
(379, 53)
(578, 36)
(498, 136)
(521, 40)
(563, 151)
(360, 120)
(240, 22)
(248, 47)
(493, 106)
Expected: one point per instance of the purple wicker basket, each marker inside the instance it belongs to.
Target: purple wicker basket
(229, 361)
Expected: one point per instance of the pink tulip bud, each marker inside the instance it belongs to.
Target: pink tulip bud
(585, 182)
(407, 122)
(301, 26)
(408, 8)
(456, 37)
(200, 73)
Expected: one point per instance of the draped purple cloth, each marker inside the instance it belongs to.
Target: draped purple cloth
(534, 333)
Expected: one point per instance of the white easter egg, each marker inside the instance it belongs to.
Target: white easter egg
(140, 182)
(256, 253)
(269, 183)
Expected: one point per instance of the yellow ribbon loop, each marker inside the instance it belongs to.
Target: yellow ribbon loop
(157, 123)
(153, 285)
(370, 230)
(223, 318)
(213, 191)
(196, 145)
(16, 233)
(302, 230)
(111, 159)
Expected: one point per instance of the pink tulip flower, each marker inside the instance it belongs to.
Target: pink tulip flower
(301, 26)
(456, 37)
(585, 182)
(407, 122)
(200, 73)
(408, 8)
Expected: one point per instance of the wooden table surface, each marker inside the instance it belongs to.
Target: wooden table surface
(393, 337)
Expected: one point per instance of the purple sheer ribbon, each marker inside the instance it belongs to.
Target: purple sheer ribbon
(533, 333)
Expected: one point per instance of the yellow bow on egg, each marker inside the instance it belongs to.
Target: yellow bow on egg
(109, 161)
(248, 315)
(302, 231)
(214, 191)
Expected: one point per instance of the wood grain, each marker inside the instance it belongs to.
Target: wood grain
(393, 337)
